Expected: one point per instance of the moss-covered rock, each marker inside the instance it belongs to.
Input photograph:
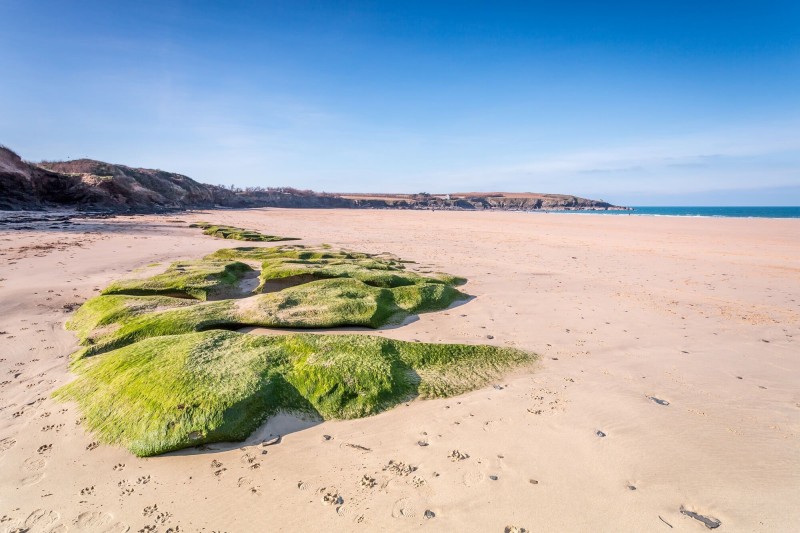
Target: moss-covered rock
(174, 391)
(203, 280)
(161, 368)
(239, 234)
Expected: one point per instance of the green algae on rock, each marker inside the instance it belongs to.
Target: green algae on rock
(162, 368)
(239, 234)
(171, 392)
(202, 280)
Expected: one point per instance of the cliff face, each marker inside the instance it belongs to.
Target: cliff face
(125, 188)
(26, 186)
(87, 184)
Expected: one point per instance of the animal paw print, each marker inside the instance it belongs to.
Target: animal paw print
(44, 448)
(150, 510)
(368, 481)
(144, 480)
(332, 498)
(163, 518)
(119, 467)
(218, 466)
(250, 460)
(399, 468)
(125, 488)
(92, 446)
(17, 414)
(456, 455)
(88, 491)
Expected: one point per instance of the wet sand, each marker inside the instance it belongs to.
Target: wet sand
(668, 382)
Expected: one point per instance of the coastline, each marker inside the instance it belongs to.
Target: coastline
(699, 312)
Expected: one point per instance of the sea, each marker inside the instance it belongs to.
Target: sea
(711, 211)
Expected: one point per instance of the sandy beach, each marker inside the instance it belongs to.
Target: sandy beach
(667, 381)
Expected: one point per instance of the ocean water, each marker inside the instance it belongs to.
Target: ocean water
(728, 211)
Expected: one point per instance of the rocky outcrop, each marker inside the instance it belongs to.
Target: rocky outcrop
(119, 187)
(26, 186)
(474, 200)
(89, 185)
(93, 185)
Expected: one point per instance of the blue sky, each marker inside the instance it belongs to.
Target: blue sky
(645, 103)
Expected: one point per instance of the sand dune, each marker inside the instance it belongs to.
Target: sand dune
(666, 398)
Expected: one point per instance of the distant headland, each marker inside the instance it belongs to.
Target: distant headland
(90, 185)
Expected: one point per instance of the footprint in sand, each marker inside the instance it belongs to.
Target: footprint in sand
(99, 522)
(7, 444)
(251, 461)
(456, 456)
(33, 464)
(125, 488)
(343, 511)
(10, 525)
(473, 478)
(41, 520)
(32, 479)
(410, 507)
(403, 508)
(332, 498)
(399, 468)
